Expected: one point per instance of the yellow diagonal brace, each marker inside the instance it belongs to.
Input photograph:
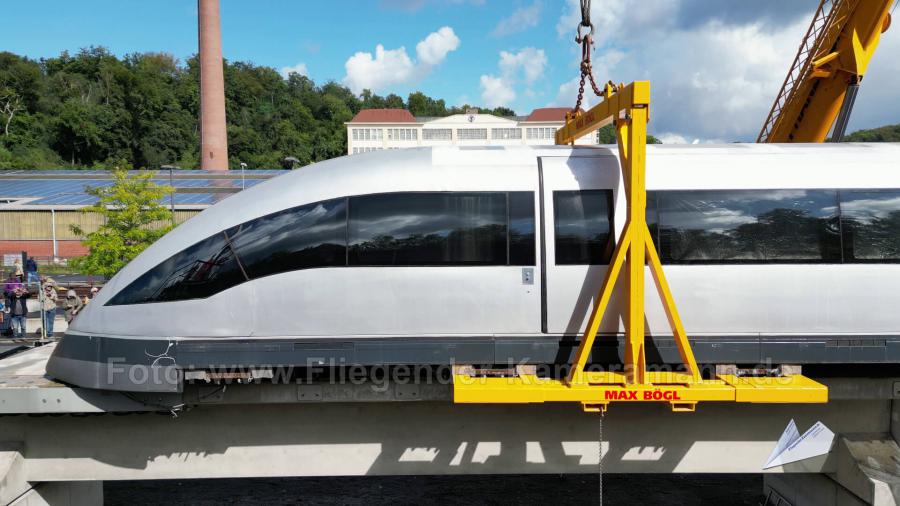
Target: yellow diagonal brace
(668, 302)
(576, 374)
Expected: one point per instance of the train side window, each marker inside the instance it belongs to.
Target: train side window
(206, 268)
(521, 228)
(313, 235)
(870, 223)
(582, 225)
(749, 226)
(653, 217)
(428, 229)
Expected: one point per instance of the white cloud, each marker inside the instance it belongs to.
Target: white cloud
(434, 48)
(388, 67)
(299, 68)
(670, 138)
(496, 91)
(525, 66)
(529, 60)
(520, 20)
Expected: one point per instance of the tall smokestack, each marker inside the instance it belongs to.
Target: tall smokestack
(213, 135)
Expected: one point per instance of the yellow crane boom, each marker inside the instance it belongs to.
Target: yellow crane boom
(822, 83)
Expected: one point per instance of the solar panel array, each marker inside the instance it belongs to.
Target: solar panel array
(181, 172)
(71, 192)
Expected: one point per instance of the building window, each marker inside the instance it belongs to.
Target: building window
(583, 221)
(748, 226)
(402, 134)
(367, 134)
(506, 133)
(541, 133)
(471, 133)
(437, 134)
(870, 223)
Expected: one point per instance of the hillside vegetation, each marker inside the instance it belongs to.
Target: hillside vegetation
(889, 133)
(94, 110)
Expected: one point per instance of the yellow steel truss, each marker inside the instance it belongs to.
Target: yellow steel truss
(832, 58)
(628, 108)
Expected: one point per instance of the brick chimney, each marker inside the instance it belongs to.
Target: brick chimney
(213, 135)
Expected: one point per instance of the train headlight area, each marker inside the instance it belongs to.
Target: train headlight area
(628, 109)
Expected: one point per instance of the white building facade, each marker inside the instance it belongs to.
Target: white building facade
(377, 129)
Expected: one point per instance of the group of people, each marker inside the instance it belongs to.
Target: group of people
(14, 303)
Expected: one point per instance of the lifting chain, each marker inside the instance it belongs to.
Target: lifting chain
(586, 40)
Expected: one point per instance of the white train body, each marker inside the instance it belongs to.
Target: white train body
(736, 309)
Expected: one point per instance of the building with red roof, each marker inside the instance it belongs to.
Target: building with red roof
(378, 129)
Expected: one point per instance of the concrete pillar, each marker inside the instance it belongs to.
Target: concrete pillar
(213, 135)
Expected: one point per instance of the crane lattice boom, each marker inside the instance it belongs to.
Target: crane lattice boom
(829, 65)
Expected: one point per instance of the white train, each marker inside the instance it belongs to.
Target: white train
(775, 254)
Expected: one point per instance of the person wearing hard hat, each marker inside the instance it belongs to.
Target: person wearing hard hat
(73, 305)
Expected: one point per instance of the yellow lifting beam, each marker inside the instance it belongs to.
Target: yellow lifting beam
(627, 107)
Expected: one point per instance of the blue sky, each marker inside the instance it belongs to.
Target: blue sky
(715, 65)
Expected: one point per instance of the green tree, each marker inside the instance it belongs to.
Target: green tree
(608, 136)
(133, 220)
(889, 133)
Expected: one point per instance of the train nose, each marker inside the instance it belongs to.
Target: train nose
(108, 363)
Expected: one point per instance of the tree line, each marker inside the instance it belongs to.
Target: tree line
(95, 110)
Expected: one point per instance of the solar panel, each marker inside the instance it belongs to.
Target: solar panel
(67, 187)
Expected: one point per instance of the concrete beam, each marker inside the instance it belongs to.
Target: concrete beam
(868, 465)
(13, 483)
(408, 438)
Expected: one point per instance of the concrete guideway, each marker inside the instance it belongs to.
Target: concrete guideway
(260, 430)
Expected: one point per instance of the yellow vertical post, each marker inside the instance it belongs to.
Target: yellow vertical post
(635, 130)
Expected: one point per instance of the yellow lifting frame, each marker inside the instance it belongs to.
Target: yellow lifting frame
(628, 108)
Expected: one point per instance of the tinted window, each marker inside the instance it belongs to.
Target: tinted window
(521, 228)
(583, 220)
(749, 226)
(428, 229)
(653, 218)
(203, 269)
(871, 225)
(313, 235)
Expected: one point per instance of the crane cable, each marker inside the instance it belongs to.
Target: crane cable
(586, 40)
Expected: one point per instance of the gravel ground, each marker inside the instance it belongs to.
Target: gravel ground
(681, 490)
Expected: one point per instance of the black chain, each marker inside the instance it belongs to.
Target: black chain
(587, 42)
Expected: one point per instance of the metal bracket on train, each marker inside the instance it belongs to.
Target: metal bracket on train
(627, 108)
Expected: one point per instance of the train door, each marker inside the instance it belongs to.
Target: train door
(579, 226)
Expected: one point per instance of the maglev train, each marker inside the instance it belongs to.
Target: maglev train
(776, 254)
